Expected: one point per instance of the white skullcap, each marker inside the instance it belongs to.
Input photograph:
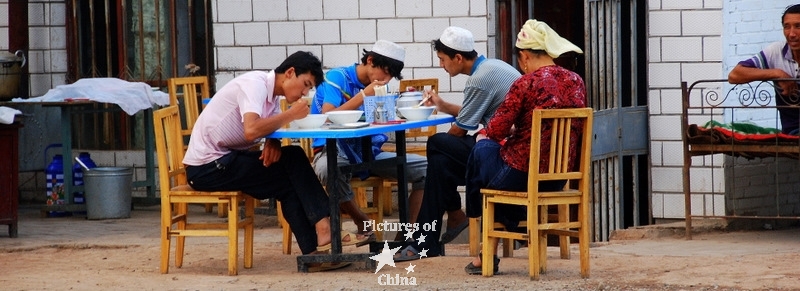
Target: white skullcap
(389, 49)
(537, 35)
(458, 39)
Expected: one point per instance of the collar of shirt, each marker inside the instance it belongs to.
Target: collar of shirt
(477, 63)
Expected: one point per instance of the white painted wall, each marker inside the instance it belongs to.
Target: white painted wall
(685, 44)
(47, 55)
(689, 41)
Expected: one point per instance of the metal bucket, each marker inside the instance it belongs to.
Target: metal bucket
(108, 192)
(10, 71)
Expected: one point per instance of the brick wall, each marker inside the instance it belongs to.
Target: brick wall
(693, 40)
(762, 187)
(250, 37)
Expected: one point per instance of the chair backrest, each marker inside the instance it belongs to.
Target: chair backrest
(563, 124)
(169, 148)
(188, 94)
(419, 86)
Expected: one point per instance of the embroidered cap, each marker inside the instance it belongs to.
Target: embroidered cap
(458, 39)
(389, 49)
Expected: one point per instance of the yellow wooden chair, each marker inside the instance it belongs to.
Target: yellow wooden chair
(188, 93)
(576, 192)
(378, 185)
(176, 195)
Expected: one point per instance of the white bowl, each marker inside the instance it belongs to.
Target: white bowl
(416, 113)
(344, 116)
(311, 121)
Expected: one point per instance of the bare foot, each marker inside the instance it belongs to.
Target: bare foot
(455, 218)
(323, 228)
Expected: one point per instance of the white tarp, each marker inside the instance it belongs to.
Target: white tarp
(132, 97)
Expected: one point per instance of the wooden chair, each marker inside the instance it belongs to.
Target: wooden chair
(187, 93)
(176, 194)
(576, 192)
(414, 133)
(377, 184)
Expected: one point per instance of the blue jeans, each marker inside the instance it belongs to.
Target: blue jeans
(486, 169)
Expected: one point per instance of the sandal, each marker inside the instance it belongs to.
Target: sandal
(403, 255)
(368, 238)
(452, 233)
(353, 239)
(324, 248)
(472, 270)
(322, 267)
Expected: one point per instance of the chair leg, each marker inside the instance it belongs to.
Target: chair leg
(180, 241)
(387, 198)
(563, 240)
(508, 247)
(222, 211)
(209, 207)
(378, 195)
(249, 213)
(487, 258)
(474, 236)
(233, 235)
(287, 231)
(166, 224)
(583, 238)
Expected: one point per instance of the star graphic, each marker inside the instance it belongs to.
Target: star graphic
(386, 257)
(423, 253)
(409, 235)
(421, 239)
(410, 268)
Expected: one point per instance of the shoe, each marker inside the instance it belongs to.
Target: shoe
(403, 255)
(472, 270)
(322, 267)
(368, 238)
(353, 239)
(452, 233)
(324, 248)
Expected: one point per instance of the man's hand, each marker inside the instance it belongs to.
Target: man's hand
(271, 152)
(788, 88)
(299, 109)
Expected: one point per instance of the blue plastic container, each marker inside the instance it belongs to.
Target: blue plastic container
(77, 176)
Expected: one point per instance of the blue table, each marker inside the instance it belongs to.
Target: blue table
(331, 135)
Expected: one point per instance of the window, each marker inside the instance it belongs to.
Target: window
(136, 40)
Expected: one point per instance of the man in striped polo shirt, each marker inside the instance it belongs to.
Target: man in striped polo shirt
(778, 60)
(486, 87)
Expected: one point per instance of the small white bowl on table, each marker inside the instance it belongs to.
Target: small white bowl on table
(413, 113)
(311, 121)
(344, 116)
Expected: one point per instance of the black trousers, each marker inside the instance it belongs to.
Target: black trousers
(291, 180)
(447, 165)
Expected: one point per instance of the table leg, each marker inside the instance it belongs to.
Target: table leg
(336, 254)
(149, 153)
(66, 151)
(333, 195)
(402, 184)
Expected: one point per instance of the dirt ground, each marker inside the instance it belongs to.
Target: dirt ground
(72, 253)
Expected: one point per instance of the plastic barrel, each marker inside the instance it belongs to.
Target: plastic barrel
(108, 192)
